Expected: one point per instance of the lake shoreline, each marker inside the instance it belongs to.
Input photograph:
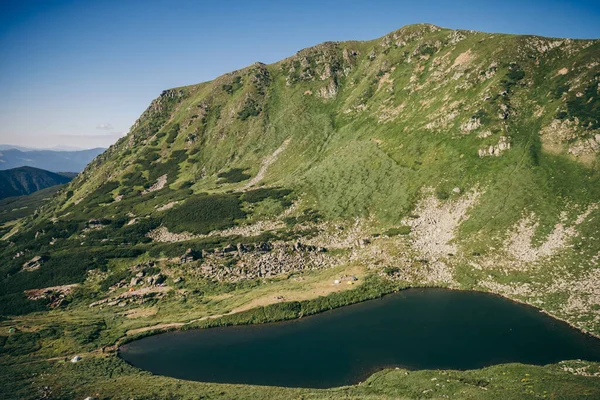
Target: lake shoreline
(455, 329)
(182, 326)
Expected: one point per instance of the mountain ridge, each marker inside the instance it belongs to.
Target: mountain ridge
(50, 160)
(427, 157)
(26, 180)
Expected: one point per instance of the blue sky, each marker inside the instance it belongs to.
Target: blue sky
(79, 73)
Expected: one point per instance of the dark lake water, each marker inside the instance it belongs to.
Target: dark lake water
(415, 329)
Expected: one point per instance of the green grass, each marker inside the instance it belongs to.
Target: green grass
(393, 129)
(14, 208)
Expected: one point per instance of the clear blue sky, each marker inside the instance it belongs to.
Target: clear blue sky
(80, 72)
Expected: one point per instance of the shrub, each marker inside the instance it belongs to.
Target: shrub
(234, 86)
(172, 134)
(18, 304)
(513, 76)
(586, 107)
(20, 343)
(402, 230)
(257, 195)
(442, 194)
(250, 109)
(232, 176)
(204, 213)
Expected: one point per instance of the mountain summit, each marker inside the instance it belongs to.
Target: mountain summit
(427, 157)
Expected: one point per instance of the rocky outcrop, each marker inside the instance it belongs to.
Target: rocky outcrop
(497, 149)
(265, 261)
(33, 264)
(159, 184)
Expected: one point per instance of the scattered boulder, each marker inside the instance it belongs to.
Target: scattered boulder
(242, 248)
(33, 264)
(156, 279)
(229, 249)
(364, 242)
(158, 185)
(496, 150)
(190, 256)
(265, 246)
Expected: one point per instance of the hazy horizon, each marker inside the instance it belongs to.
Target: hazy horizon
(80, 73)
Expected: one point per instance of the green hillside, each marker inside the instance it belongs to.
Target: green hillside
(26, 180)
(13, 208)
(428, 157)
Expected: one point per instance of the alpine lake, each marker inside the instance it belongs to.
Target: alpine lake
(413, 329)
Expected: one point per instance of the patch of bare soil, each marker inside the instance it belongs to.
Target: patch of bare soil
(140, 312)
(266, 163)
(463, 59)
(167, 206)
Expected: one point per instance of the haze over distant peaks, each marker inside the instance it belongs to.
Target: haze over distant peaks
(51, 160)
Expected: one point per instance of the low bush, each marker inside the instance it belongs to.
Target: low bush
(250, 109)
(204, 213)
(257, 195)
(19, 343)
(401, 230)
(233, 175)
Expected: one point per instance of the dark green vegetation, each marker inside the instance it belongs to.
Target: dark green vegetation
(204, 213)
(26, 180)
(18, 207)
(71, 256)
(232, 176)
(426, 157)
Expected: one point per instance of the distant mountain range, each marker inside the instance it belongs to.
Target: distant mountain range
(25, 180)
(50, 160)
(53, 148)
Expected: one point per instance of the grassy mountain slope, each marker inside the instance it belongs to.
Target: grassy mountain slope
(26, 180)
(427, 157)
(14, 208)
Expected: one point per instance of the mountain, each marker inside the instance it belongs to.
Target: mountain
(26, 180)
(10, 147)
(56, 161)
(428, 157)
(53, 148)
